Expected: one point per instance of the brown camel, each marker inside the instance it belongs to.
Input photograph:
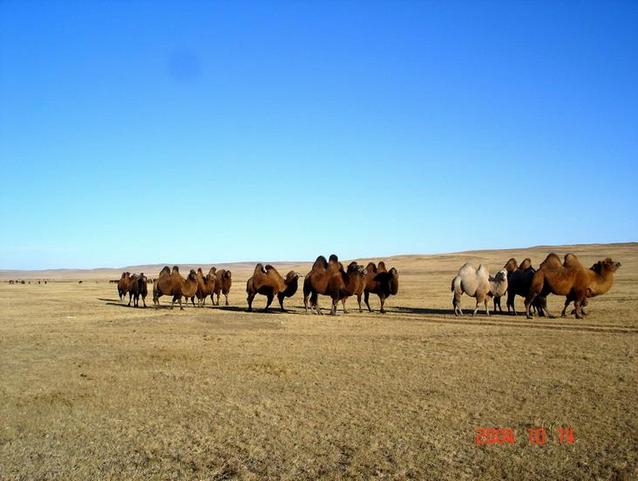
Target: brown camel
(601, 278)
(173, 284)
(570, 279)
(328, 278)
(357, 288)
(223, 281)
(205, 285)
(268, 282)
(122, 285)
(381, 282)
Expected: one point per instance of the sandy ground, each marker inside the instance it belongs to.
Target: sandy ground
(92, 389)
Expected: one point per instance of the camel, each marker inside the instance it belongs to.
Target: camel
(359, 285)
(268, 282)
(137, 287)
(381, 282)
(122, 285)
(205, 286)
(223, 281)
(601, 279)
(473, 282)
(329, 278)
(173, 284)
(498, 288)
(571, 279)
(519, 280)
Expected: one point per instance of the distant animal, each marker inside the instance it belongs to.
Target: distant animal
(171, 283)
(10, 282)
(473, 282)
(381, 282)
(122, 285)
(519, 280)
(79, 282)
(572, 280)
(330, 279)
(267, 281)
(223, 281)
(138, 286)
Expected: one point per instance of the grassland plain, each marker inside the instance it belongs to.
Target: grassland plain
(92, 389)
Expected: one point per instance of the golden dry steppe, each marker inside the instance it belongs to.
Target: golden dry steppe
(92, 389)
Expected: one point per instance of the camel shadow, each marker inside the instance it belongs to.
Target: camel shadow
(440, 311)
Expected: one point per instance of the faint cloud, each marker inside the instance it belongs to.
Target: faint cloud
(183, 66)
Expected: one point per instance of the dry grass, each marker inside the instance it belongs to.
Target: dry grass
(94, 390)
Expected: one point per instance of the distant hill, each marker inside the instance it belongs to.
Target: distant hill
(537, 253)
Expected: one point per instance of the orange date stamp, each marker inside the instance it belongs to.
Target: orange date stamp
(536, 436)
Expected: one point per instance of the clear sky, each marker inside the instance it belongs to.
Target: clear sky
(172, 132)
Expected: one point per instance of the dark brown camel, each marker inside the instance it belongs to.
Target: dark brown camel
(381, 282)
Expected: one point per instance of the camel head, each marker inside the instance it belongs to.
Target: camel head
(292, 276)
(607, 265)
(356, 269)
(501, 275)
(192, 275)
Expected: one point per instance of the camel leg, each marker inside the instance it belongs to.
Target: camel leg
(528, 304)
(270, 297)
(129, 300)
(249, 299)
(366, 299)
(281, 302)
(217, 299)
(144, 301)
(510, 303)
(333, 310)
(382, 299)
(343, 301)
(478, 303)
(456, 304)
(226, 296)
(359, 302)
(486, 301)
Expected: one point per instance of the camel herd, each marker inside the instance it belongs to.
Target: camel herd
(330, 278)
(567, 278)
(327, 278)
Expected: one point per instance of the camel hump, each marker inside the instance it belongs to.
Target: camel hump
(466, 268)
(483, 271)
(551, 261)
(259, 269)
(571, 261)
(175, 269)
(381, 267)
(526, 264)
(511, 265)
(371, 268)
(165, 271)
(320, 264)
(333, 264)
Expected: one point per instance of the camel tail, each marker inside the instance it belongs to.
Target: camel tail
(456, 284)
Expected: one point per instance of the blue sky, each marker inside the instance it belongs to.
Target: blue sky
(174, 132)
